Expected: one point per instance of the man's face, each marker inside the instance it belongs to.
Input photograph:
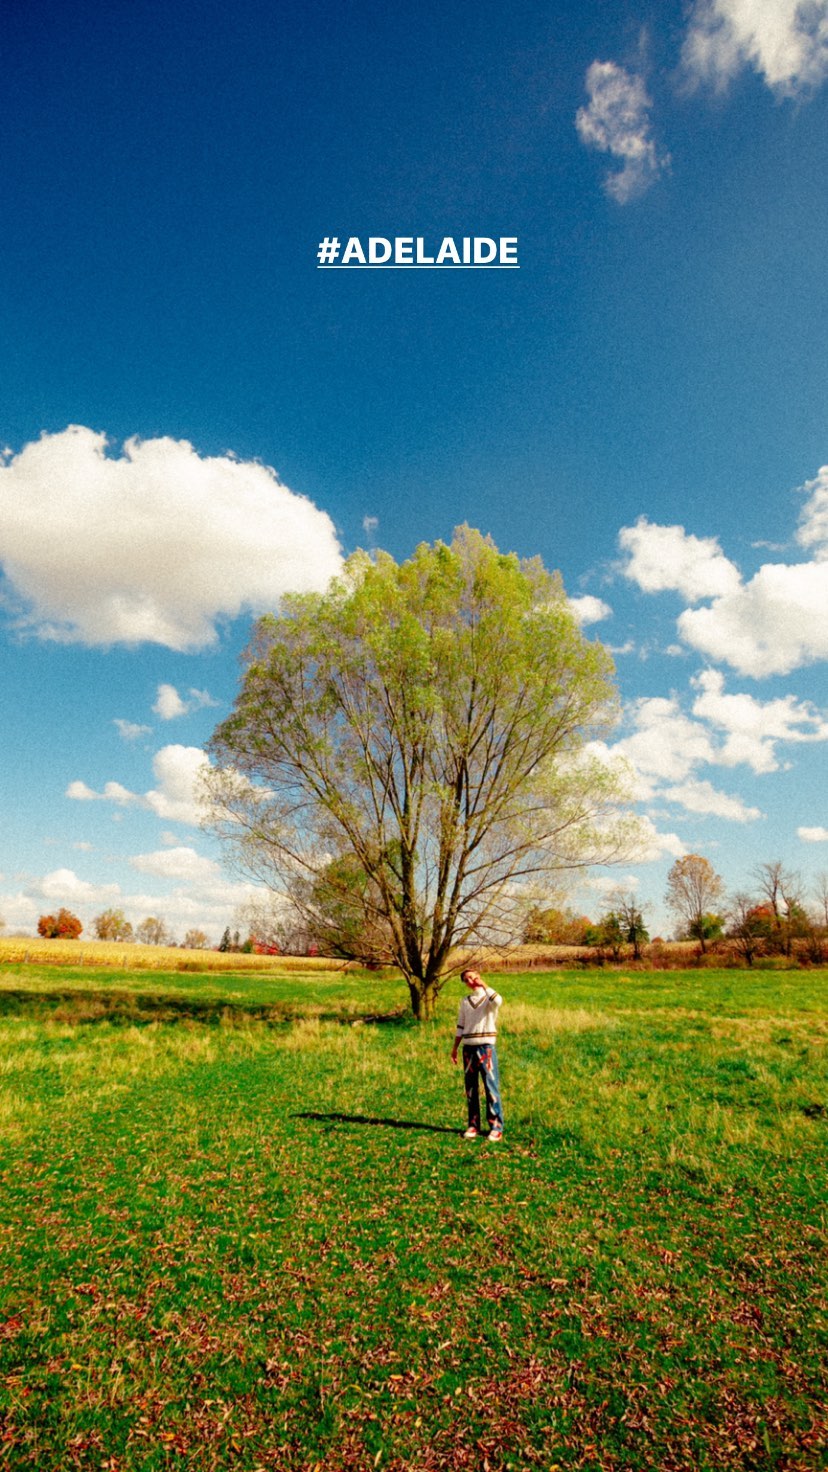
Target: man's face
(471, 979)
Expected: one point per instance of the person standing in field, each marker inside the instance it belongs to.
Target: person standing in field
(477, 1031)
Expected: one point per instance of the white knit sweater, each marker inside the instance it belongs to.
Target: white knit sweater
(477, 1018)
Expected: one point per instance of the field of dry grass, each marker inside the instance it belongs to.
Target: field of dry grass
(23, 949)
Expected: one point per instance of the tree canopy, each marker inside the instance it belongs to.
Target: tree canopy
(411, 748)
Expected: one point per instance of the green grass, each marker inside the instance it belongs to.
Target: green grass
(239, 1228)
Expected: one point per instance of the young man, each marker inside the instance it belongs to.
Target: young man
(477, 1031)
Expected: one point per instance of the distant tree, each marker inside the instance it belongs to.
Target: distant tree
(783, 890)
(342, 909)
(62, 926)
(631, 920)
(112, 925)
(225, 943)
(606, 935)
(554, 926)
(154, 932)
(693, 886)
(195, 940)
(276, 928)
(821, 896)
(749, 925)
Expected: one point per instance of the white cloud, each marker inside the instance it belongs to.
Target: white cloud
(665, 744)
(784, 41)
(617, 121)
(370, 525)
(182, 864)
(168, 704)
(64, 887)
(769, 626)
(754, 727)
(130, 730)
(703, 797)
(813, 521)
(155, 544)
(113, 792)
(667, 558)
(589, 609)
(177, 771)
(813, 835)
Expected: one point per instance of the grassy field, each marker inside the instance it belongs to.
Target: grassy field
(239, 1228)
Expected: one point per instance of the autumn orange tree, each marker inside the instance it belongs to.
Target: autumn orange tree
(62, 926)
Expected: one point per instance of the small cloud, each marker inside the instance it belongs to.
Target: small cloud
(79, 792)
(169, 705)
(589, 610)
(200, 699)
(370, 525)
(813, 521)
(65, 886)
(784, 41)
(113, 792)
(83, 847)
(813, 835)
(182, 864)
(617, 122)
(130, 730)
(667, 558)
(703, 797)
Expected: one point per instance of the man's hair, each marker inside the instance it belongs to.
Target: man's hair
(469, 971)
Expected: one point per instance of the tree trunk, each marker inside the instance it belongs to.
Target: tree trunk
(423, 1000)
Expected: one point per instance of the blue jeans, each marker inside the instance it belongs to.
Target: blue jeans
(480, 1061)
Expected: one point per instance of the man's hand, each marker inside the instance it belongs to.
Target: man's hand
(454, 1055)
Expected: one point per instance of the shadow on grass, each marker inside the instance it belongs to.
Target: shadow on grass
(90, 1005)
(391, 1124)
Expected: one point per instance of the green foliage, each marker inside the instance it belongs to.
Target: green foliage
(407, 752)
(706, 927)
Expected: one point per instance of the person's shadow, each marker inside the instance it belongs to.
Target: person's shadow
(392, 1124)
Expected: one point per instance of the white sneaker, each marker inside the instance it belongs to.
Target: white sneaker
(495, 1135)
(471, 1133)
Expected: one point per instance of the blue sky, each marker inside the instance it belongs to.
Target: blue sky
(643, 404)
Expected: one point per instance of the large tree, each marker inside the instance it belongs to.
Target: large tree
(409, 748)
